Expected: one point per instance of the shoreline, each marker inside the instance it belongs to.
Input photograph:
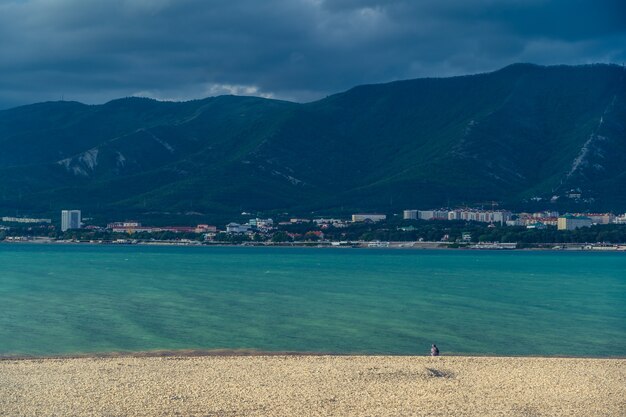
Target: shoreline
(233, 353)
(400, 245)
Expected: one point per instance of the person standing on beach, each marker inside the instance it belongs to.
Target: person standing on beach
(434, 350)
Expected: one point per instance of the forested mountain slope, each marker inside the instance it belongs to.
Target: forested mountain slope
(514, 135)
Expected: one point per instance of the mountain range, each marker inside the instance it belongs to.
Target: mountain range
(521, 136)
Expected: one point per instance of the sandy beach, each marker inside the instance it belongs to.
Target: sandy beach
(312, 386)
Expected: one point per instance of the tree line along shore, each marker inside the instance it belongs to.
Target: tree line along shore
(432, 234)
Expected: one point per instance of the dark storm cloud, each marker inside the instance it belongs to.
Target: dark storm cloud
(93, 51)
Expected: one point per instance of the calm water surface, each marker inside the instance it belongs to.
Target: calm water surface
(58, 299)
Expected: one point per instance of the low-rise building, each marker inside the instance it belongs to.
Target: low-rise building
(237, 228)
(570, 222)
(25, 220)
(409, 215)
(326, 223)
(601, 218)
(131, 227)
(550, 221)
(119, 225)
(205, 228)
(361, 217)
(261, 223)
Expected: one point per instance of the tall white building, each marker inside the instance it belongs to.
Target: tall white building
(409, 214)
(70, 219)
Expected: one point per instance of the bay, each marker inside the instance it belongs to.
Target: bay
(74, 299)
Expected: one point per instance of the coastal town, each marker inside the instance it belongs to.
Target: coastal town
(470, 228)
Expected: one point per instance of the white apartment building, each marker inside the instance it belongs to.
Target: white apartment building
(485, 216)
(432, 215)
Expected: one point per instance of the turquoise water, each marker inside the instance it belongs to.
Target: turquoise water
(58, 299)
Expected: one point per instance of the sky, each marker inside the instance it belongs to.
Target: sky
(94, 51)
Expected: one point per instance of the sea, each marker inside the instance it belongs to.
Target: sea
(93, 299)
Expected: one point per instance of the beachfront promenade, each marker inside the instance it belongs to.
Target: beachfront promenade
(313, 386)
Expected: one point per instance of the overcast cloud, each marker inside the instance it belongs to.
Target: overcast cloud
(96, 50)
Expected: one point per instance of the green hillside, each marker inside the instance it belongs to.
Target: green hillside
(516, 135)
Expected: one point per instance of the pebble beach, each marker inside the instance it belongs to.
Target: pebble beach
(294, 385)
